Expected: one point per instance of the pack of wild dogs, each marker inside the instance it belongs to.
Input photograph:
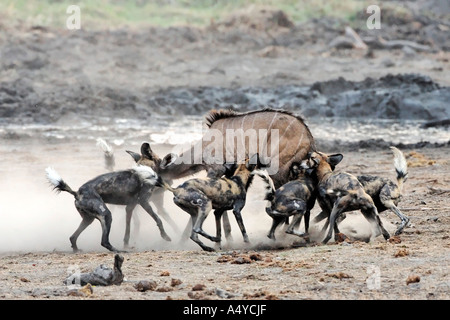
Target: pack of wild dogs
(305, 177)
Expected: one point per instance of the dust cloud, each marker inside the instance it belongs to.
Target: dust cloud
(36, 218)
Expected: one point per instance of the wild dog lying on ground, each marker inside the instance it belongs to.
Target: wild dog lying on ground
(385, 193)
(340, 192)
(199, 196)
(296, 197)
(128, 187)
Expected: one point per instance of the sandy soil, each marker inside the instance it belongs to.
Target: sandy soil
(411, 266)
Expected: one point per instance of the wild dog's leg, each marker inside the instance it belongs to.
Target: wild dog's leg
(205, 206)
(389, 197)
(298, 215)
(237, 213)
(218, 215)
(129, 211)
(148, 208)
(322, 215)
(338, 208)
(87, 220)
(404, 219)
(96, 208)
(276, 221)
(144, 196)
(371, 214)
(194, 235)
(157, 198)
(105, 220)
(297, 207)
(227, 226)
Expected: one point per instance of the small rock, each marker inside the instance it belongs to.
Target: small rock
(395, 239)
(198, 287)
(164, 289)
(165, 274)
(175, 282)
(85, 291)
(224, 294)
(340, 237)
(255, 257)
(412, 279)
(224, 258)
(145, 285)
(339, 275)
(241, 260)
(401, 253)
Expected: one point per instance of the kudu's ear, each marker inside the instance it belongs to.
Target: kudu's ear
(334, 159)
(146, 151)
(136, 156)
(168, 160)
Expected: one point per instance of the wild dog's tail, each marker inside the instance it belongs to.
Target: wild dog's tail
(57, 182)
(108, 154)
(161, 183)
(147, 174)
(270, 188)
(401, 167)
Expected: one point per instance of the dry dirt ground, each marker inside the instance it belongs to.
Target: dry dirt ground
(411, 266)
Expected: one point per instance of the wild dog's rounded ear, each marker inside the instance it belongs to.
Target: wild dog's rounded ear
(264, 162)
(146, 150)
(230, 168)
(295, 170)
(168, 160)
(136, 156)
(252, 162)
(334, 159)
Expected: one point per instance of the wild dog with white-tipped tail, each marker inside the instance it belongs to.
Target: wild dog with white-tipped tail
(127, 187)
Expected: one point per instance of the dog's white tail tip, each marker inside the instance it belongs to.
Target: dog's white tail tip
(104, 145)
(53, 177)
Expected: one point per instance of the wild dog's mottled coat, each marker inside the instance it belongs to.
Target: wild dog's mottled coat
(296, 198)
(199, 196)
(339, 192)
(127, 187)
(386, 193)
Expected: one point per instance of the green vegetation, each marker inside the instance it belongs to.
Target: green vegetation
(97, 14)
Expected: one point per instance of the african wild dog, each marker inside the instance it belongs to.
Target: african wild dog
(199, 196)
(127, 187)
(151, 159)
(385, 193)
(296, 197)
(339, 192)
